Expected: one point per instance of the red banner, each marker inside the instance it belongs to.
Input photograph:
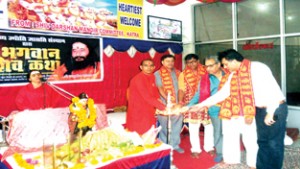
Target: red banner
(57, 57)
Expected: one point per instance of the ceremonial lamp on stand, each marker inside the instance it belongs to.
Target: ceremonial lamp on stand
(169, 106)
(169, 112)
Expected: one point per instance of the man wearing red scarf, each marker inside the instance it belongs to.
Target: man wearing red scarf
(166, 79)
(250, 98)
(189, 82)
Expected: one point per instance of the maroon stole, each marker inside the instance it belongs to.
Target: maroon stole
(201, 117)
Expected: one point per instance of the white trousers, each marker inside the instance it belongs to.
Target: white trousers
(232, 129)
(194, 137)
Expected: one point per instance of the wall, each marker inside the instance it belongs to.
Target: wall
(293, 117)
(183, 12)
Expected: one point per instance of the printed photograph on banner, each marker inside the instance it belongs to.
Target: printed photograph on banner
(72, 16)
(59, 58)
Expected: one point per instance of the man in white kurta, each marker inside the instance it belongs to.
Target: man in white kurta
(189, 81)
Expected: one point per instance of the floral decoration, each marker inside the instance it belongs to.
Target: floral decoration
(95, 148)
(230, 1)
(208, 1)
(22, 162)
(81, 113)
(166, 2)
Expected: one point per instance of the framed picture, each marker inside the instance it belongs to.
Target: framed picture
(164, 28)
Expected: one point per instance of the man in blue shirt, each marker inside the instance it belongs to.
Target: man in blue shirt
(213, 67)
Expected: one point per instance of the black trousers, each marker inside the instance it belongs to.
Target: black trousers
(270, 139)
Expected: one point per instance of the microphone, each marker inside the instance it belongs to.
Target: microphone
(43, 84)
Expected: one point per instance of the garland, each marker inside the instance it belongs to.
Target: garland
(22, 162)
(80, 113)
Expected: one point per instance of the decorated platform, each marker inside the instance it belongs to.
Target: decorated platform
(40, 139)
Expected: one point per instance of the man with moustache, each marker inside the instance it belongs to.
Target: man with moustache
(82, 65)
(213, 67)
(191, 80)
(167, 82)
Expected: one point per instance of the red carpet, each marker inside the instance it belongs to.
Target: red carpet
(185, 161)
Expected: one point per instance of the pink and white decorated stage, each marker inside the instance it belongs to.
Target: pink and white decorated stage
(29, 130)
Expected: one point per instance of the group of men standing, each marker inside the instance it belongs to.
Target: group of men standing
(240, 98)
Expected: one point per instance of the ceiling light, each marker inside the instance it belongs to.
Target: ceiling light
(262, 7)
(289, 18)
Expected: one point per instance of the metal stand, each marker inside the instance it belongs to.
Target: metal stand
(169, 129)
(169, 141)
